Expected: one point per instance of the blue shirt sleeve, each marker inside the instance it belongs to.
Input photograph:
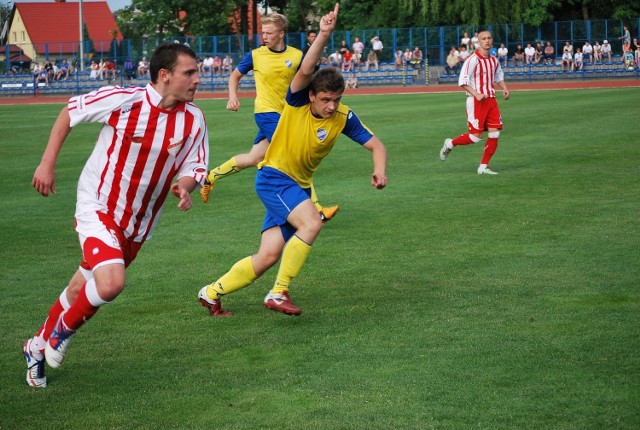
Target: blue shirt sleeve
(298, 99)
(355, 130)
(246, 64)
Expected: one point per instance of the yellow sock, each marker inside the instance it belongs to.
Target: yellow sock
(293, 258)
(227, 168)
(239, 276)
(314, 198)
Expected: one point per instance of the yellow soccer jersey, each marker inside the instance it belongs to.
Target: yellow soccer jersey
(273, 72)
(301, 140)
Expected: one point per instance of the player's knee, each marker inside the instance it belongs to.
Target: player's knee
(475, 138)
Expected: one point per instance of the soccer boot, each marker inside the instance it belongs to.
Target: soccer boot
(281, 303)
(214, 306)
(327, 213)
(205, 190)
(58, 344)
(35, 366)
(445, 149)
(486, 171)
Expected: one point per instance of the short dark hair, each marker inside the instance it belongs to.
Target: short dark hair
(166, 56)
(328, 79)
(310, 32)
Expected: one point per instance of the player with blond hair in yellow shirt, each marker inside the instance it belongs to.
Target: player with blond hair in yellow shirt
(274, 65)
(311, 122)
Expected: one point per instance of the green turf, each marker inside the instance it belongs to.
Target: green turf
(448, 300)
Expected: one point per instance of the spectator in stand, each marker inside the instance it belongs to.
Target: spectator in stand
(48, 67)
(587, 52)
(518, 55)
(567, 61)
(463, 54)
(549, 54)
(578, 60)
(597, 52)
(143, 68)
(465, 41)
(207, 65)
(335, 59)
(529, 54)
(227, 64)
(406, 56)
(63, 73)
(628, 56)
(372, 59)
(475, 43)
(216, 67)
(416, 58)
(634, 44)
(606, 50)
(358, 49)
(626, 35)
(102, 69)
(503, 55)
(399, 59)
(343, 47)
(636, 56)
(352, 81)
(453, 64)
(347, 61)
(377, 46)
(40, 73)
(110, 70)
(539, 56)
(568, 47)
(95, 70)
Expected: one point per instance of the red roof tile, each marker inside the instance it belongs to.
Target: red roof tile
(58, 24)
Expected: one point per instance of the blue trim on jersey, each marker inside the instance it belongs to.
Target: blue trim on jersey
(298, 99)
(355, 130)
(267, 123)
(280, 195)
(246, 64)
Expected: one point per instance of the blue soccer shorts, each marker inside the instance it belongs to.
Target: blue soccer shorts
(280, 195)
(267, 123)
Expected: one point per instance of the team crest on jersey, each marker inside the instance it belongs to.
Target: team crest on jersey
(288, 63)
(200, 171)
(321, 133)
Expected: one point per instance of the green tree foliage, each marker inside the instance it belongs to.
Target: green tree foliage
(161, 18)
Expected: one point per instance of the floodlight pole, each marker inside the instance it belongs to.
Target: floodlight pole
(81, 40)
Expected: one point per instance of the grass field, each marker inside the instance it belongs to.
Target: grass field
(448, 300)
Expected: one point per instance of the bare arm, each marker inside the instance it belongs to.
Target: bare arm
(379, 156)
(45, 175)
(182, 190)
(305, 73)
(234, 81)
(505, 90)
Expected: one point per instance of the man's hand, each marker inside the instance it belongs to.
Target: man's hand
(183, 195)
(233, 104)
(328, 22)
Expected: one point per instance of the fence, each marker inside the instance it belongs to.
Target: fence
(435, 42)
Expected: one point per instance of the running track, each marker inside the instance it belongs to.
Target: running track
(414, 89)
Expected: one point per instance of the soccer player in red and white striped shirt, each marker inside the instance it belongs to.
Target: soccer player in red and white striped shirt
(149, 137)
(479, 72)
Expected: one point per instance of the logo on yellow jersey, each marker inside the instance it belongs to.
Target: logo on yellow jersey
(288, 63)
(322, 134)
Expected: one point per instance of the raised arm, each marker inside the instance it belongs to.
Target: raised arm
(305, 72)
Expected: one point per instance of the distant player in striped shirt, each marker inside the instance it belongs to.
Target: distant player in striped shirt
(149, 137)
(479, 72)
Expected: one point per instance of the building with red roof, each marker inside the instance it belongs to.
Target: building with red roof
(52, 28)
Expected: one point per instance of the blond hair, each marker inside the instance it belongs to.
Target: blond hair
(280, 21)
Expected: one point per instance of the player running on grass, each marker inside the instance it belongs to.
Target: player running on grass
(312, 120)
(274, 66)
(149, 137)
(479, 72)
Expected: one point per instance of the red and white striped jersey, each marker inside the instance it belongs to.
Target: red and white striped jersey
(480, 73)
(140, 150)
